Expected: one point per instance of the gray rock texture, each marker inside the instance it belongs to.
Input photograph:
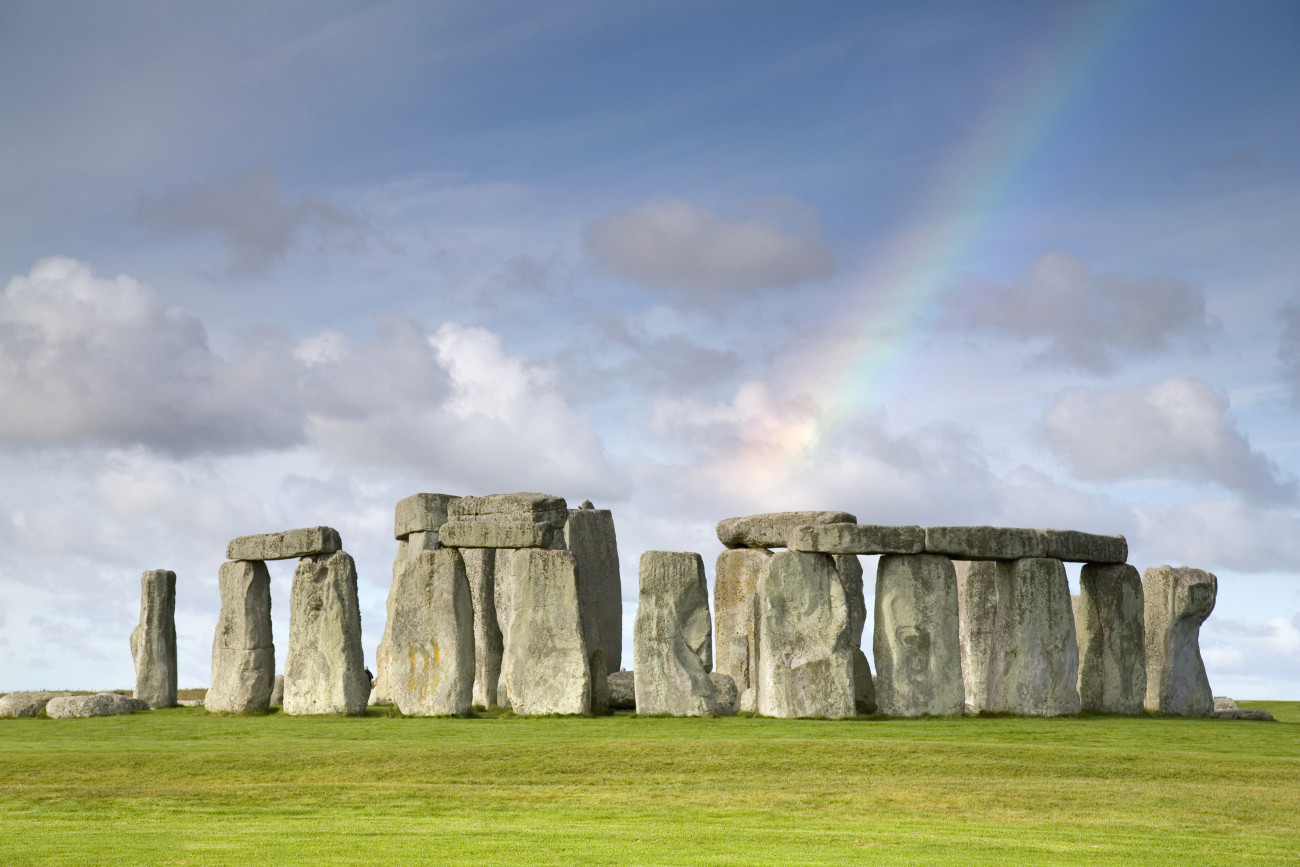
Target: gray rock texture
(286, 545)
(26, 704)
(622, 690)
(725, 687)
(1075, 547)
(411, 546)
(277, 691)
(100, 704)
(857, 539)
(495, 533)
(589, 536)
(672, 638)
(977, 603)
(917, 637)
(1244, 713)
(1176, 603)
(480, 571)
(432, 661)
(325, 672)
(1035, 661)
(1112, 639)
(985, 543)
(528, 507)
(849, 571)
(864, 685)
(1222, 703)
(153, 641)
(243, 655)
(773, 529)
(748, 701)
(737, 576)
(805, 660)
(420, 513)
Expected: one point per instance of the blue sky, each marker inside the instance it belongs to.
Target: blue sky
(274, 265)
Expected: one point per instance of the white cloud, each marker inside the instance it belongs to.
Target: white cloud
(1176, 428)
(672, 244)
(1216, 534)
(1252, 658)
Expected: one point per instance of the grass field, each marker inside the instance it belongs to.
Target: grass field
(181, 786)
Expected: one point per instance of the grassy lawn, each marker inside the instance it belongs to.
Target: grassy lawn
(183, 787)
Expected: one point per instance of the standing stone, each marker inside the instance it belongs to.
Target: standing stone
(545, 665)
(1035, 655)
(408, 547)
(153, 641)
(917, 636)
(849, 571)
(1112, 639)
(432, 661)
(589, 535)
(977, 603)
(805, 661)
(277, 691)
(480, 571)
(737, 576)
(243, 655)
(325, 672)
(420, 513)
(1177, 601)
(672, 640)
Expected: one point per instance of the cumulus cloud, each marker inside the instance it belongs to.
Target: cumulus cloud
(1083, 319)
(252, 217)
(1289, 351)
(1216, 534)
(1176, 428)
(1252, 658)
(672, 244)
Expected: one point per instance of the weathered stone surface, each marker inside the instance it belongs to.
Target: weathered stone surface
(864, 685)
(545, 665)
(526, 506)
(243, 655)
(985, 543)
(857, 539)
(805, 660)
(189, 702)
(1244, 713)
(26, 704)
(725, 687)
(1177, 601)
(99, 704)
(153, 641)
(415, 542)
(672, 638)
(849, 571)
(736, 579)
(1222, 703)
(773, 529)
(1035, 653)
(1112, 640)
(917, 636)
(1076, 547)
(495, 533)
(325, 672)
(480, 571)
(589, 535)
(432, 660)
(286, 545)
(420, 513)
(622, 690)
(277, 691)
(748, 701)
(977, 603)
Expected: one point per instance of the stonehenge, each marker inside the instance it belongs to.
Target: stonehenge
(325, 672)
(1176, 603)
(153, 641)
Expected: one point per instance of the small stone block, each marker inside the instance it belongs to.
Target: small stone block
(491, 533)
(288, 545)
(857, 539)
(985, 543)
(420, 513)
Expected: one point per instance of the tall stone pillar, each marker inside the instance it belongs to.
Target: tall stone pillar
(243, 655)
(1176, 602)
(1036, 655)
(153, 641)
(1112, 639)
(589, 536)
(736, 579)
(977, 601)
(917, 637)
(432, 652)
(325, 672)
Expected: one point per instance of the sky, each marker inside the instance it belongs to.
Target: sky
(281, 264)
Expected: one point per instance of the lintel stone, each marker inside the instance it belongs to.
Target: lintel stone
(1076, 547)
(289, 545)
(421, 513)
(857, 539)
(985, 543)
(526, 506)
(495, 533)
(773, 529)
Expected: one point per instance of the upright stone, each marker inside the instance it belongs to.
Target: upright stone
(432, 658)
(672, 641)
(153, 641)
(408, 547)
(977, 603)
(805, 660)
(480, 571)
(917, 636)
(849, 571)
(325, 672)
(1035, 655)
(1177, 601)
(737, 577)
(243, 655)
(421, 513)
(773, 529)
(1112, 639)
(589, 535)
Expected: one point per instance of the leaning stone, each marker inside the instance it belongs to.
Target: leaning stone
(589, 535)
(495, 533)
(243, 655)
(985, 543)
(773, 529)
(857, 539)
(420, 513)
(100, 704)
(480, 571)
(1075, 547)
(26, 704)
(622, 690)
(1112, 642)
(849, 571)
(672, 638)
(325, 672)
(1177, 601)
(917, 637)
(528, 507)
(977, 603)
(726, 690)
(805, 660)
(432, 659)
(737, 576)
(277, 691)
(153, 641)
(1035, 653)
(1222, 703)
(285, 546)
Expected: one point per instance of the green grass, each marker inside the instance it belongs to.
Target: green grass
(181, 786)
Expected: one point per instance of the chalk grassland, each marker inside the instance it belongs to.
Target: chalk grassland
(183, 787)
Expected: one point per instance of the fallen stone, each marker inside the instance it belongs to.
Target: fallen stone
(1075, 547)
(420, 513)
(432, 671)
(622, 690)
(773, 529)
(1035, 653)
(857, 539)
(528, 507)
(153, 641)
(285, 546)
(243, 655)
(480, 571)
(189, 702)
(985, 543)
(277, 691)
(805, 660)
(737, 576)
(672, 638)
(100, 704)
(1222, 703)
(917, 637)
(725, 687)
(325, 672)
(27, 704)
(1177, 601)
(495, 533)
(1112, 642)
(589, 536)
(1244, 713)
(748, 701)
(977, 603)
